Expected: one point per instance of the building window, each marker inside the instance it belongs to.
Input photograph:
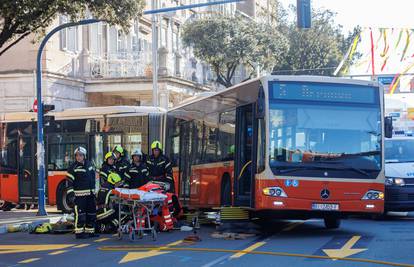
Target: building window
(68, 37)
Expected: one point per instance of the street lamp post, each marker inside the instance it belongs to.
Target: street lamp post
(40, 112)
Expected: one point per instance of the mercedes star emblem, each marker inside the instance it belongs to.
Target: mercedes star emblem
(325, 193)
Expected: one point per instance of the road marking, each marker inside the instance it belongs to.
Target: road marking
(248, 249)
(292, 226)
(81, 246)
(58, 252)
(101, 240)
(133, 256)
(8, 249)
(29, 260)
(346, 249)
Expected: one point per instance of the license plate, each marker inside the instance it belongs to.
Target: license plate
(325, 206)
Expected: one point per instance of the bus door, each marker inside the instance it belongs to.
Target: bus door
(27, 170)
(244, 161)
(185, 161)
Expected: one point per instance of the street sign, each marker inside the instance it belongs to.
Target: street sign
(304, 13)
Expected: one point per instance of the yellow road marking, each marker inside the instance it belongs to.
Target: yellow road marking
(58, 252)
(101, 240)
(346, 249)
(291, 226)
(81, 246)
(248, 249)
(8, 249)
(29, 260)
(133, 256)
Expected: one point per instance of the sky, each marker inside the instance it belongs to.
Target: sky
(368, 13)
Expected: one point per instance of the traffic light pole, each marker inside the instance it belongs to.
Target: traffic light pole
(41, 187)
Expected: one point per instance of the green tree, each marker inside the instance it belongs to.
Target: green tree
(315, 51)
(226, 43)
(19, 18)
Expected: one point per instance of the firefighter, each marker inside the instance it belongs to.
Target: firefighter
(107, 216)
(107, 167)
(121, 163)
(82, 175)
(160, 167)
(138, 171)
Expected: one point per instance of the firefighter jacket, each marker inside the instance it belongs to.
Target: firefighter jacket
(106, 169)
(122, 166)
(82, 176)
(138, 175)
(160, 169)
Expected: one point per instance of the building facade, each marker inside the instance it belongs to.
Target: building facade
(100, 65)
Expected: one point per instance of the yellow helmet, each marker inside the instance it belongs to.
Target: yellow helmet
(118, 149)
(114, 178)
(109, 155)
(156, 144)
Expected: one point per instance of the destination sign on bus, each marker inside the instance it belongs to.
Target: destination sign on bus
(326, 92)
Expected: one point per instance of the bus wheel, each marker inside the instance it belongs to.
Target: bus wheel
(332, 222)
(5, 205)
(225, 191)
(64, 201)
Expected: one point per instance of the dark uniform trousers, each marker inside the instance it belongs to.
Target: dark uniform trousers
(83, 180)
(107, 217)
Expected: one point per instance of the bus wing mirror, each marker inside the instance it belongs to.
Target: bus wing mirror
(388, 127)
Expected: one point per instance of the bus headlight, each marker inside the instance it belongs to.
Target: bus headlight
(373, 195)
(274, 192)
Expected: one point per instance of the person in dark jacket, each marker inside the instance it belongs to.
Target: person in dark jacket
(82, 175)
(138, 171)
(121, 163)
(160, 167)
(107, 167)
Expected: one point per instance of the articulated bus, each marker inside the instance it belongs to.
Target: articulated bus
(98, 129)
(283, 147)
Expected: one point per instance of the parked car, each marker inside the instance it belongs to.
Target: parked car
(399, 172)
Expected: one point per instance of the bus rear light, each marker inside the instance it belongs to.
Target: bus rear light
(370, 206)
(274, 192)
(373, 195)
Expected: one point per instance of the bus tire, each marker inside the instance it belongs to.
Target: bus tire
(332, 222)
(5, 205)
(64, 201)
(225, 190)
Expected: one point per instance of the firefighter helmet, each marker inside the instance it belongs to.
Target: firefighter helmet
(119, 149)
(114, 178)
(156, 145)
(137, 153)
(109, 155)
(80, 150)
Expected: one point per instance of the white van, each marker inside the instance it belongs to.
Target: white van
(399, 172)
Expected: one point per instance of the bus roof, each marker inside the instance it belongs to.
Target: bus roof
(88, 112)
(245, 93)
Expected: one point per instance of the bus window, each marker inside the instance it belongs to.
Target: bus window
(8, 158)
(173, 141)
(113, 140)
(60, 150)
(227, 128)
(133, 142)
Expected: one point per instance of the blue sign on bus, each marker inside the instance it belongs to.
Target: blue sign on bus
(385, 79)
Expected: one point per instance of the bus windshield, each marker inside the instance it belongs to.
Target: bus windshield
(313, 137)
(397, 151)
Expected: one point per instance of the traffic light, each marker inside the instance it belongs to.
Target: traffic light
(47, 108)
(48, 119)
(304, 13)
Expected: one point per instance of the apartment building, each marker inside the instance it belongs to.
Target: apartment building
(100, 65)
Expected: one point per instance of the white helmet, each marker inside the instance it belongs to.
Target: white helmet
(81, 150)
(137, 152)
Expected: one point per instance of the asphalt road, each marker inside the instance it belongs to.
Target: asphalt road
(283, 243)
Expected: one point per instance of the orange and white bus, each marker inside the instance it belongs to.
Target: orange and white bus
(282, 146)
(98, 129)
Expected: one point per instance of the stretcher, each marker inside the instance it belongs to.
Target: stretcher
(139, 206)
